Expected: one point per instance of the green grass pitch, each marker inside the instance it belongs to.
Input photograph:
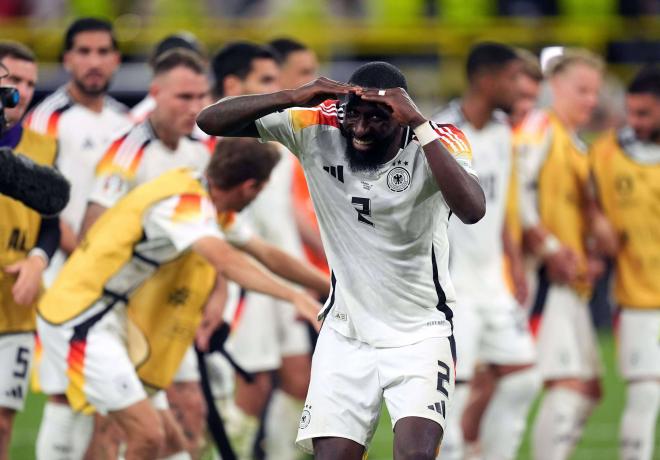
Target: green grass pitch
(599, 440)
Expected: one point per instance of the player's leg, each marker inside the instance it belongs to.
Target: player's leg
(503, 423)
(508, 346)
(334, 448)
(343, 403)
(568, 362)
(639, 363)
(16, 356)
(418, 382)
(145, 435)
(467, 333)
(254, 345)
(293, 380)
(482, 387)
(61, 429)
(187, 404)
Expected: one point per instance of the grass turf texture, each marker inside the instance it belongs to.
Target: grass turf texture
(598, 442)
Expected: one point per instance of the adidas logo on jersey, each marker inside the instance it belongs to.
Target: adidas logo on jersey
(438, 407)
(16, 392)
(335, 171)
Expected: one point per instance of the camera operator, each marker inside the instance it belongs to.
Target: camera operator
(27, 241)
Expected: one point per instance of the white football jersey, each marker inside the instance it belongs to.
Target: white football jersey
(384, 232)
(83, 136)
(477, 253)
(138, 157)
(271, 214)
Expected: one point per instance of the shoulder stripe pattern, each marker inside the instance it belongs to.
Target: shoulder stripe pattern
(189, 208)
(45, 117)
(125, 154)
(324, 114)
(453, 139)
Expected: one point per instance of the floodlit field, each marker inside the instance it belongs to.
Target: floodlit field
(599, 441)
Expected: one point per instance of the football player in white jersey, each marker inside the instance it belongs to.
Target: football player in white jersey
(490, 325)
(83, 119)
(160, 143)
(380, 196)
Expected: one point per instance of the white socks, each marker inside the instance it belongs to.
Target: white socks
(639, 419)
(242, 430)
(179, 456)
(63, 434)
(503, 423)
(452, 445)
(282, 426)
(559, 423)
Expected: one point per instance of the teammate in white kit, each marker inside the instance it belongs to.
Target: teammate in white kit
(380, 196)
(83, 119)
(490, 325)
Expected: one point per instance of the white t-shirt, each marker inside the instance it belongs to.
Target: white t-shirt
(385, 233)
(83, 136)
(477, 253)
(138, 157)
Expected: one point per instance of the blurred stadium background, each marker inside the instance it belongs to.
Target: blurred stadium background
(428, 39)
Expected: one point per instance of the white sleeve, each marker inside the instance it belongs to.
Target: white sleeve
(238, 231)
(183, 219)
(278, 127)
(529, 160)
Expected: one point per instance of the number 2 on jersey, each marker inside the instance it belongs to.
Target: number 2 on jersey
(363, 208)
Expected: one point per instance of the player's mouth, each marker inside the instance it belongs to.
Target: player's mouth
(362, 144)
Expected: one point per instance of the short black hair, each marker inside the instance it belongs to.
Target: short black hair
(286, 46)
(236, 59)
(179, 57)
(88, 25)
(183, 40)
(16, 50)
(489, 56)
(379, 75)
(647, 81)
(237, 159)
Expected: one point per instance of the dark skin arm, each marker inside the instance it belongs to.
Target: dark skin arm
(461, 191)
(235, 116)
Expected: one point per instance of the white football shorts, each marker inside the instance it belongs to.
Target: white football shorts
(16, 356)
(94, 359)
(639, 343)
(567, 344)
(266, 331)
(350, 380)
(491, 334)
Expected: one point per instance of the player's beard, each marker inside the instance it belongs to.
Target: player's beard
(89, 90)
(370, 160)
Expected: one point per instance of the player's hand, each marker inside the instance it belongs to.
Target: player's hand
(321, 89)
(595, 268)
(404, 110)
(562, 265)
(307, 308)
(520, 288)
(212, 320)
(28, 281)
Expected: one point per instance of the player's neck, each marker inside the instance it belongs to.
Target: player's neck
(565, 117)
(395, 146)
(476, 109)
(93, 103)
(168, 138)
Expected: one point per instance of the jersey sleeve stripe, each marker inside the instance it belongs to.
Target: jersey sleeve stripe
(188, 209)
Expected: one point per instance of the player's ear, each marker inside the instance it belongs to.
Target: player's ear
(154, 89)
(232, 85)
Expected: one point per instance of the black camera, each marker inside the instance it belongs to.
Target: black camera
(9, 98)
